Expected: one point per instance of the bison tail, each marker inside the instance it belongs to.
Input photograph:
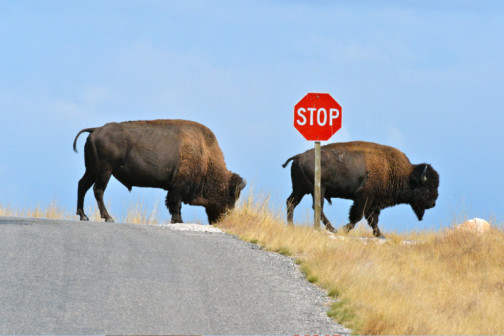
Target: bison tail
(89, 130)
(289, 159)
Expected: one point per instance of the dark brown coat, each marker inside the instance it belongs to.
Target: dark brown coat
(180, 156)
(372, 175)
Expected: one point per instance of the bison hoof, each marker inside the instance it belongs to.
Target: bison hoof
(378, 234)
(109, 220)
(82, 215)
(330, 228)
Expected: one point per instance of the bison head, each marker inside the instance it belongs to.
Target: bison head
(424, 182)
(227, 202)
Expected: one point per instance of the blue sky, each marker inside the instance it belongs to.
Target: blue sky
(423, 76)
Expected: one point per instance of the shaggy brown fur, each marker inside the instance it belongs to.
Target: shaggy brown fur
(372, 175)
(180, 156)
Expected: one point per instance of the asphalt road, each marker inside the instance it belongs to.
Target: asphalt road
(70, 277)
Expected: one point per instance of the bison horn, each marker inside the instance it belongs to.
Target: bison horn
(243, 184)
(423, 177)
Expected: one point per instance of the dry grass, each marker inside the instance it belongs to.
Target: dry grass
(447, 283)
(136, 213)
(52, 211)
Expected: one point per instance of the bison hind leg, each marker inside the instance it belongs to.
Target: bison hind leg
(99, 189)
(327, 223)
(292, 201)
(82, 215)
(323, 217)
(84, 184)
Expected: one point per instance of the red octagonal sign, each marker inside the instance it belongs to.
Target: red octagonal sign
(317, 116)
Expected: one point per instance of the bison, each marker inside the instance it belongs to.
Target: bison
(372, 175)
(180, 156)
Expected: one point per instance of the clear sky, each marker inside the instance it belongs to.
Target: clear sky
(423, 76)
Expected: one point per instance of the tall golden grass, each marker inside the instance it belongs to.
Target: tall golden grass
(447, 282)
(52, 211)
(135, 213)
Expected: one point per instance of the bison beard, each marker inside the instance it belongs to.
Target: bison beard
(372, 175)
(180, 156)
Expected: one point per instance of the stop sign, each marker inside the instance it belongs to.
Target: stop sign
(317, 116)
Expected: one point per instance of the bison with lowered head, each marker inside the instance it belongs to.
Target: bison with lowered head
(182, 157)
(372, 175)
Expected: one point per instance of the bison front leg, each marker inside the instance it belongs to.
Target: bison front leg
(174, 205)
(372, 219)
(356, 214)
(214, 213)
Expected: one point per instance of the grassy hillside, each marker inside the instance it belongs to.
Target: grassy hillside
(447, 282)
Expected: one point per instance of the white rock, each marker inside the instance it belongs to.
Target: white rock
(476, 225)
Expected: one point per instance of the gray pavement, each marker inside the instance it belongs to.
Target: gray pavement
(70, 277)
